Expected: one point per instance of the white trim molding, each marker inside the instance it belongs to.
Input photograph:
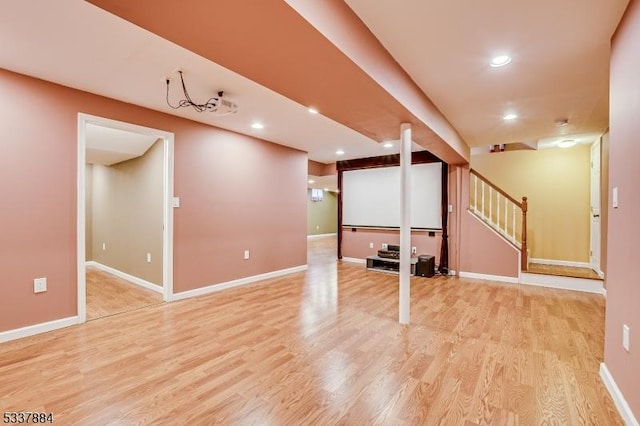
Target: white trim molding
(133, 280)
(555, 262)
(32, 330)
(236, 283)
(354, 260)
(334, 234)
(500, 278)
(616, 395)
(564, 283)
(167, 208)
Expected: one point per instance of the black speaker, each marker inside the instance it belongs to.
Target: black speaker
(426, 266)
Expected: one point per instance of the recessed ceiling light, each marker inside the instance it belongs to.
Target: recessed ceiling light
(510, 116)
(313, 110)
(500, 61)
(311, 181)
(326, 189)
(339, 152)
(388, 145)
(567, 143)
(257, 126)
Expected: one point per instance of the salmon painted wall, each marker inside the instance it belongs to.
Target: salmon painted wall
(356, 244)
(225, 182)
(623, 287)
(482, 251)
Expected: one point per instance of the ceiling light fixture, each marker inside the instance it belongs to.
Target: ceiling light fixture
(510, 116)
(311, 181)
(388, 145)
(567, 143)
(500, 61)
(339, 152)
(313, 110)
(216, 105)
(257, 126)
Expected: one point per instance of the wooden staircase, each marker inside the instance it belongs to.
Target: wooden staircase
(501, 212)
(508, 217)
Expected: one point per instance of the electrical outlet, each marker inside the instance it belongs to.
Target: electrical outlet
(625, 337)
(370, 245)
(385, 246)
(148, 257)
(40, 285)
(246, 255)
(414, 250)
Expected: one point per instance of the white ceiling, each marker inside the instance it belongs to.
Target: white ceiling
(108, 146)
(560, 66)
(76, 44)
(560, 53)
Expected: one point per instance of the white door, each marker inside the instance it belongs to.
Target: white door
(594, 258)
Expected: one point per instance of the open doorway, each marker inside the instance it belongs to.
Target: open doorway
(125, 216)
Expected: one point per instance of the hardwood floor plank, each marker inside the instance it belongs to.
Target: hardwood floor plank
(110, 295)
(324, 347)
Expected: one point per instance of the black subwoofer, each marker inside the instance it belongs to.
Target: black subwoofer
(426, 266)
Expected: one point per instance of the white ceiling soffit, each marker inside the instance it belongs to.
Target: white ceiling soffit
(559, 68)
(76, 44)
(329, 182)
(109, 146)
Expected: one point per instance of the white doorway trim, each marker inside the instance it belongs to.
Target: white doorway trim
(595, 218)
(167, 234)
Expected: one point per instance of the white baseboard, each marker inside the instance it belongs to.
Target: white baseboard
(618, 399)
(354, 260)
(452, 272)
(322, 235)
(555, 262)
(134, 280)
(236, 283)
(500, 278)
(44, 327)
(564, 283)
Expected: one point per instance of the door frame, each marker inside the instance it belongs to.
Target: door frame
(595, 244)
(167, 206)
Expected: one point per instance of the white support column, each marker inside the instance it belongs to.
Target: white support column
(405, 222)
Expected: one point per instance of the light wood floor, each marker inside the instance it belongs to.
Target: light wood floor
(564, 271)
(110, 295)
(324, 347)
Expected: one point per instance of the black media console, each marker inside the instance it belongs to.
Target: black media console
(384, 264)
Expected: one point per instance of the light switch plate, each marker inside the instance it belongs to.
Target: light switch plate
(614, 197)
(176, 202)
(39, 285)
(625, 337)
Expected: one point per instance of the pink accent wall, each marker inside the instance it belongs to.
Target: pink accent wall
(356, 244)
(483, 251)
(623, 252)
(236, 192)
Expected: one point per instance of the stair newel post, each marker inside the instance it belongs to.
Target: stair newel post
(525, 261)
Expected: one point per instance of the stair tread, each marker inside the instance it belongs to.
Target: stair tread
(563, 271)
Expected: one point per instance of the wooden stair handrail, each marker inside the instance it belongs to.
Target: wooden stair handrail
(524, 262)
(497, 188)
(523, 206)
